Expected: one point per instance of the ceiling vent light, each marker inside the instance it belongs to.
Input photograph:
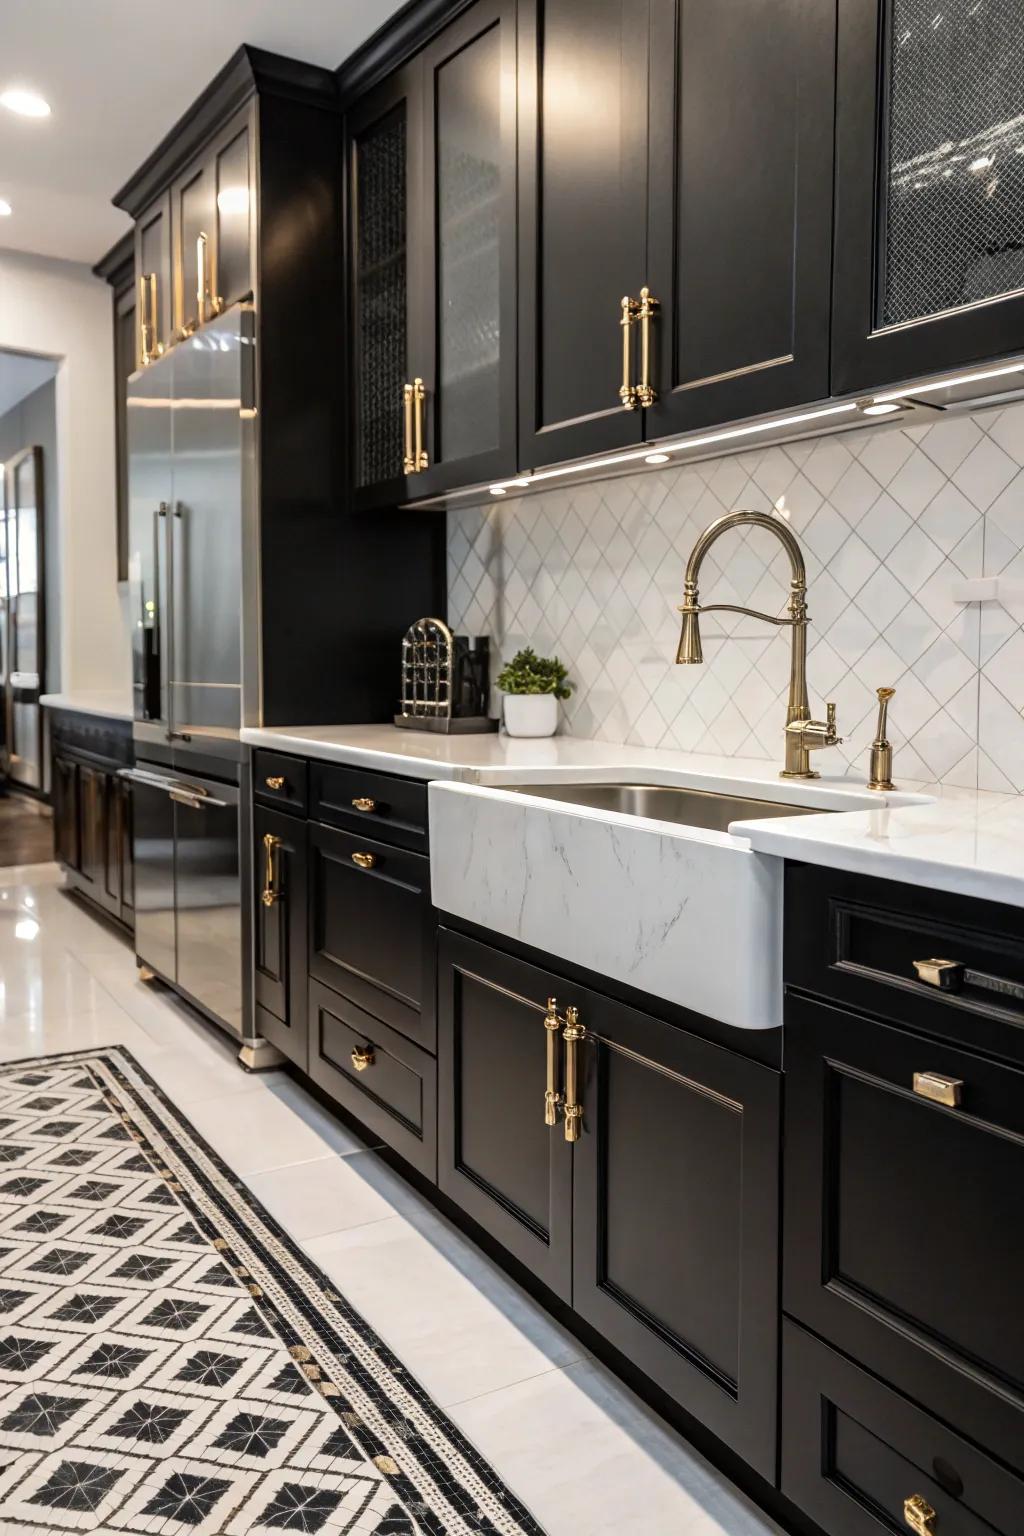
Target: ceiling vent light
(5, 208)
(25, 103)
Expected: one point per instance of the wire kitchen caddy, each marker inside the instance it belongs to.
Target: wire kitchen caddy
(433, 679)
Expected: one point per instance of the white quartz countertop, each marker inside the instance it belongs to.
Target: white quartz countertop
(112, 704)
(972, 843)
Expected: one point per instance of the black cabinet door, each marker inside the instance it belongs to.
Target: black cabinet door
(386, 263)
(740, 207)
(372, 928)
(234, 213)
(468, 330)
(64, 792)
(153, 279)
(929, 260)
(279, 930)
(675, 1218)
(496, 1157)
(903, 1244)
(582, 220)
(123, 790)
(92, 831)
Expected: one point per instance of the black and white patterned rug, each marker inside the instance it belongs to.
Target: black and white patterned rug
(171, 1363)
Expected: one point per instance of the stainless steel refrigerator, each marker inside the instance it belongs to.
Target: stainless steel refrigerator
(22, 620)
(191, 454)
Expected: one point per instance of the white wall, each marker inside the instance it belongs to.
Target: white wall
(59, 309)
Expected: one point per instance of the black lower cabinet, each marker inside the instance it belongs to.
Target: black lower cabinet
(659, 1224)
(92, 811)
(904, 1245)
(376, 1074)
(860, 1459)
(280, 931)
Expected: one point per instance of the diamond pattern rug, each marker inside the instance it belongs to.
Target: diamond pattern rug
(171, 1363)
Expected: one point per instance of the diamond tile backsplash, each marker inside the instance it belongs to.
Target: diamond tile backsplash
(889, 519)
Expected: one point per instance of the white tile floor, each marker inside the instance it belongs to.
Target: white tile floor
(580, 1450)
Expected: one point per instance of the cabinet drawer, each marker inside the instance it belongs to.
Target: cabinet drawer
(854, 1451)
(856, 940)
(903, 1243)
(389, 1084)
(372, 929)
(280, 779)
(371, 804)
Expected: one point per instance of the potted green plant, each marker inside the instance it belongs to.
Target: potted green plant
(532, 686)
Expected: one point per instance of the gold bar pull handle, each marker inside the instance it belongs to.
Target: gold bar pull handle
(419, 391)
(920, 1516)
(646, 394)
(938, 1088)
(628, 309)
(954, 975)
(408, 462)
(146, 338)
(156, 346)
(552, 1097)
(271, 871)
(202, 286)
(572, 1035)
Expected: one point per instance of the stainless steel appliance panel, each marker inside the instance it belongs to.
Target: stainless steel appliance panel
(153, 844)
(150, 498)
(206, 526)
(208, 889)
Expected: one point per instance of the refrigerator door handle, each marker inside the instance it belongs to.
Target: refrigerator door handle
(150, 780)
(196, 802)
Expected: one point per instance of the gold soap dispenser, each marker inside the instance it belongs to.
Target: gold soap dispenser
(881, 749)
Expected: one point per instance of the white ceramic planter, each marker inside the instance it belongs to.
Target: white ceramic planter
(530, 714)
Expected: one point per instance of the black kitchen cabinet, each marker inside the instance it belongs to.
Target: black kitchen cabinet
(659, 1223)
(280, 904)
(154, 281)
(739, 204)
(211, 203)
(583, 87)
(929, 259)
(92, 811)
(431, 166)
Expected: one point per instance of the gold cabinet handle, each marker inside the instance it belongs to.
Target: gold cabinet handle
(952, 975)
(207, 304)
(572, 1035)
(628, 311)
(364, 860)
(919, 1515)
(271, 892)
(938, 1088)
(408, 462)
(364, 803)
(552, 1097)
(419, 393)
(363, 1057)
(149, 319)
(646, 393)
(274, 781)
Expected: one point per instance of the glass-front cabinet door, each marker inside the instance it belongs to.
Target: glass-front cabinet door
(929, 257)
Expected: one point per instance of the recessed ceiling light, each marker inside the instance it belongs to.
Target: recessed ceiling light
(5, 208)
(656, 458)
(25, 103)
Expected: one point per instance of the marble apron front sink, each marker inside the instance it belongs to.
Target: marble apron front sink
(586, 873)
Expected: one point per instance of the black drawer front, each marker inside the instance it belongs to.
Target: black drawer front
(371, 804)
(372, 928)
(903, 1243)
(389, 1084)
(280, 779)
(854, 1451)
(856, 939)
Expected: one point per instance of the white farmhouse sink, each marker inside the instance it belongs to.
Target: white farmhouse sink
(637, 882)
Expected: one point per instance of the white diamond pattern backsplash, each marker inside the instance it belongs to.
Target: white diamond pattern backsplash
(889, 519)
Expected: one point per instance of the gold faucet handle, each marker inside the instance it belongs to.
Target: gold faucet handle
(830, 718)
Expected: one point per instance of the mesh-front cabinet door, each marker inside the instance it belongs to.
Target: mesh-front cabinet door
(929, 264)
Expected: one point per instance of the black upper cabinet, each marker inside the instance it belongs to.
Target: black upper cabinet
(929, 264)
(432, 199)
(740, 208)
(154, 284)
(582, 216)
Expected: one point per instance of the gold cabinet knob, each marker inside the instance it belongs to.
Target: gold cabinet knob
(364, 860)
(363, 1057)
(364, 803)
(919, 1515)
(275, 781)
(939, 1088)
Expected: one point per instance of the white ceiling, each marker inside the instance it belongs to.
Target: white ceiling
(20, 375)
(118, 74)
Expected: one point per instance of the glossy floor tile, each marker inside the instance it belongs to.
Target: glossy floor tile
(582, 1452)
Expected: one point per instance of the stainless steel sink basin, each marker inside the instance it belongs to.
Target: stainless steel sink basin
(687, 807)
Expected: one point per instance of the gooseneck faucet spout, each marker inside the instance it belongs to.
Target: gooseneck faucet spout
(803, 735)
